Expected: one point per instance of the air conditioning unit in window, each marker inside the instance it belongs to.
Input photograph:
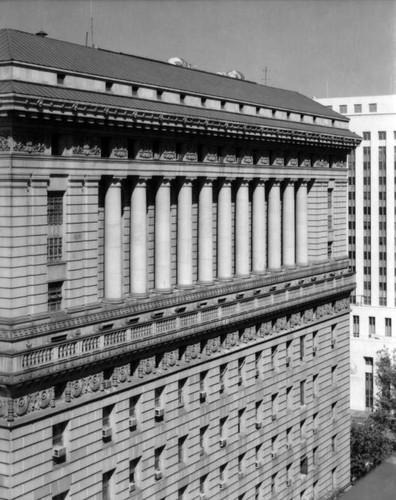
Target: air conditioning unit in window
(223, 443)
(288, 360)
(257, 464)
(241, 474)
(222, 388)
(333, 343)
(202, 496)
(222, 485)
(315, 430)
(273, 454)
(58, 452)
(107, 384)
(158, 475)
(273, 416)
(288, 446)
(240, 380)
(289, 482)
(132, 487)
(314, 350)
(106, 432)
(159, 413)
(132, 422)
(259, 424)
(202, 396)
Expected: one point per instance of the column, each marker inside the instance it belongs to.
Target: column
(138, 240)
(224, 231)
(242, 268)
(113, 242)
(258, 228)
(205, 233)
(162, 237)
(274, 226)
(184, 234)
(288, 228)
(301, 224)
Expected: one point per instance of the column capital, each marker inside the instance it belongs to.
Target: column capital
(304, 180)
(222, 181)
(206, 181)
(275, 182)
(140, 181)
(242, 181)
(259, 181)
(184, 181)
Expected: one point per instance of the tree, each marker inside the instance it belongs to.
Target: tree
(369, 447)
(385, 402)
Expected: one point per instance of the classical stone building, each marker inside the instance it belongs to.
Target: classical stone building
(174, 285)
(371, 236)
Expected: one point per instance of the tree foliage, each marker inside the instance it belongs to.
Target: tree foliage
(369, 447)
(385, 402)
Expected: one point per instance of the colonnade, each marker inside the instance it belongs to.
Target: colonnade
(278, 239)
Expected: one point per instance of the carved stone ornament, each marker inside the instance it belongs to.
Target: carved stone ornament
(120, 149)
(146, 366)
(195, 351)
(122, 373)
(229, 156)
(211, 155)
(321, 162)
(247, 159)
(34, 402)
(308, 315)
(191, 153)
(263, 160)
(173, 358)
(292, 161)
(305, 162)
(145, 151)
(29, 143)
(277, 159)
(168, 152)
(267, 328)
(4, 140)
(295, 320)
(86, 146)
(3, 407)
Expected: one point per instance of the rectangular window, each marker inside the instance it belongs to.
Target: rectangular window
(334, 375)
(343, 108)
(133, 473)
(181, 449)
(158, 465)
(369, 391)
(371, 325)
(388, 327)
(334, 443)
(55, 296)
(302, 347)
(315, 380)
(357, 108)
(366, 136)
(107, 485)
(107, 421)
(54, 248)
(381, 135)
(304, 465)
(60, 78)
(58, 442)
(356, 326)
(302, 392)
(373, 107)
(109, 86)
(181, 389)
(202, 439)
(223, 373)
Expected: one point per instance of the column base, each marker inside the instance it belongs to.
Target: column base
(242, 276)
(185, 287)
(259, 273)
(138, 295)
(163, 291)
(206, 283)
(112, 301)
(302, 264)
(223, 280)
(274, 269)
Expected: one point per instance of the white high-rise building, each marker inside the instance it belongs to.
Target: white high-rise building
(371, 235)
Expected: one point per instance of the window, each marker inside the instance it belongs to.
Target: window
(241, 464)
(366, 136)
(60, 78)
(388, 327)
(241, 364)
(133, 466)
(61, 496)
(302, 347)
(373, 107)
(158, 459)
(356, 331)
(107, 420)
(55, 296)
(357, 108)
(274, 405)
(381, 135)
(274, 482)
(107, 485)
(202, 439)
(55, 225)
(369, 391)
(202, 386)
(202, 484)
(181, 493)
(343, 108)
(334, 443)
(257, 364)
(109, 86)
(371, 325)
(302, 392)
(58, 442)
(54, 248)
(181, 389)
(315, 380)
(304, 465)
(315, 456)
(181, 449)
(274, 357)
(303, 430)
(241, 421)
(334, 375)
(289, 398)
(223, 429)
(223, 372)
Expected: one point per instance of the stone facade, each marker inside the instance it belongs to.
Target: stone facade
(174, 305)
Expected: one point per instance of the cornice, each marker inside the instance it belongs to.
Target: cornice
(48, 108)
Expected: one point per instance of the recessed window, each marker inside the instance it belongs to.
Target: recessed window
(109, 86)
(135, 90)
(366, 136)
(343, 108)
(381, 135)
(357, 108)
(373, 107)
(55, 296)
(159, 94)
(60, 78)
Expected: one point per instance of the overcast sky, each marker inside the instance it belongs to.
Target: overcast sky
(317, 47)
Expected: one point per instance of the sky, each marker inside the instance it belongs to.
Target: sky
(321, 48)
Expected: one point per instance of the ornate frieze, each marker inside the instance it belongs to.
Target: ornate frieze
(263, 159)
(190, 152)
(211, 154)
(86, 146)
(119, 149)
(146, 367)
(229, 155)
(291, 160)
(34, 402)
(29, 142)
(85, 385)
(247, 157)
(321, 162)
(168, 152)
(5, 136)
(304, 161)
(277, 158)
(144, 150)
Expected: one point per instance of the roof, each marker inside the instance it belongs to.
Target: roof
(74, 96)
(70, 57)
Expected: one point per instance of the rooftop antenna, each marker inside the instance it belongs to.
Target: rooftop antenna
(327, 89)
(266, 77)
(92, 41)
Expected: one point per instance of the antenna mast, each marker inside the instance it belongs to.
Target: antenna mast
(92, 25)
(266, 77)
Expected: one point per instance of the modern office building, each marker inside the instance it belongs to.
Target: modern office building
(174, 285)
(371, 236)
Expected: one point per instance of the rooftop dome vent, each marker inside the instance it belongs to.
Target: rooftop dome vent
(179, 61)
(236, 74)
(41, 33)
